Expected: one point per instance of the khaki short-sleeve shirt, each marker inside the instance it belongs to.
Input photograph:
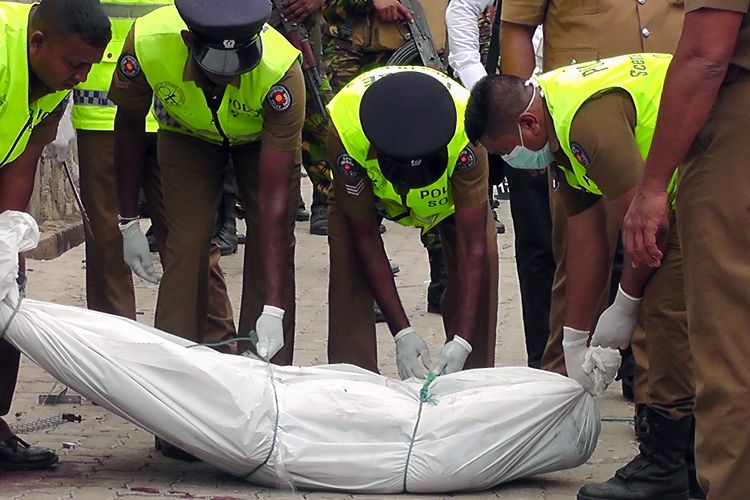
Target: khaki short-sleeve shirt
(584, 30)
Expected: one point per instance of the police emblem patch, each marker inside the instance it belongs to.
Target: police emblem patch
(580, 154)
(346, 165)
(279, 98)
(129, 66)
(466, 160)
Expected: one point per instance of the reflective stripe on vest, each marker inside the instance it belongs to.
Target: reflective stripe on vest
(17, 115)
(162, 54)
(567, 89)
(92, 110)
(414, 209)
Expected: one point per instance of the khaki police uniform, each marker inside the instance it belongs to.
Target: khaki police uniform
(192, 172)
(713, 214)
(351, 321)
(578, 31)
(14, 57)
(109, 282)
(615, 166)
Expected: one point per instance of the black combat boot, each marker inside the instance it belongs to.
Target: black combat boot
(226, 227)
(302, 214)
(319, 214)
(319, 220)
(658, 472)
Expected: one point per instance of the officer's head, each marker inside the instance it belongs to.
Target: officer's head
(409, 117)
(224, 35)
(506, 115)
(66, 37)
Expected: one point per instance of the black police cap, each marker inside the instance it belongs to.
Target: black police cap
(408, 115)
(225, 33)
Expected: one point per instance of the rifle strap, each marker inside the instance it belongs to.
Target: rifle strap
(493, 54)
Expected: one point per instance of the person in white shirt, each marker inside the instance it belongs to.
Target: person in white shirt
(529, 198)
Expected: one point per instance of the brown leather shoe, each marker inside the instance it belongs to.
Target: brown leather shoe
(17, 454)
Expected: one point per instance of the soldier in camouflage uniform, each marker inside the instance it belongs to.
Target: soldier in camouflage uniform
(314, 132)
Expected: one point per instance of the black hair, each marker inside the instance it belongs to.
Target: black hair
(495, 103)
(85, 18)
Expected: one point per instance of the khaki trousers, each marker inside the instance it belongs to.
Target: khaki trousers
(553, 359)
(713, 208)
(109, 281)
(663, 318)
(351, 321)
(193, 177)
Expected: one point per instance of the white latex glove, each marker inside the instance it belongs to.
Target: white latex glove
(452, 356)
(616, 324)
(409, 348)
(136, 253)
(601, 365)
(270, 330)
(60, 148)
(574, 347)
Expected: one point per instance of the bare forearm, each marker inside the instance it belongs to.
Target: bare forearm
(471, 254)
(695, 75)
(17, 179)
(517, 56)
(276, 171)
(377, 269)
(587, 267)
(129, 160)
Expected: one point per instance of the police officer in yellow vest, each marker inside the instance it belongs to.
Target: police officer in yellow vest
(45, 50)
(226, 87)
(109, 285)
(595, 121)
(399, 151)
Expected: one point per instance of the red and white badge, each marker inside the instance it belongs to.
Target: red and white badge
(466, 159)
(279, 98)
(129, 66)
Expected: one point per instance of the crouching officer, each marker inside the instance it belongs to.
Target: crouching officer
(226, 87)
(399, 151)
(45, 50)
(596, 122)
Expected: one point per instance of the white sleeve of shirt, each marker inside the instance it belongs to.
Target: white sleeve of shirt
(462, 19)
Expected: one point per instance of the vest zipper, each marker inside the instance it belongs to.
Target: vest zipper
(18, 138)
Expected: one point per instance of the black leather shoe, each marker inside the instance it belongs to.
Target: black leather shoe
(499, 226)
(302, 214)
(17, 454)
(171, 451)
(319, 221)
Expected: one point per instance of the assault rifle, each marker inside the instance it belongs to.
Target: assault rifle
(419, 33)
(297, 35)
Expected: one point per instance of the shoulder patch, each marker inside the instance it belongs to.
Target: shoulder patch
(346, 166)
(279, 98)
(129, 66)
(466, 160)
(580, 154)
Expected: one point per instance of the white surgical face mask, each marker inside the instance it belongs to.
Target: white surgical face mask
(524, 158)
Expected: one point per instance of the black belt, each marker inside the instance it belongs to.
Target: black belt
(735, 74)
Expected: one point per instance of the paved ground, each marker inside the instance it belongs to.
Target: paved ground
(105, 457)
